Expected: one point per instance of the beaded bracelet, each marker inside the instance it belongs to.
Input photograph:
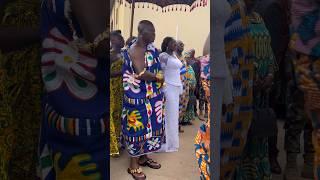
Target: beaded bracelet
(92, 46)
(101, 37)
(141, 73)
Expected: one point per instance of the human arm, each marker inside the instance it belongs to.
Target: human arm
(137, 55)
(163, 57)
(267, 81)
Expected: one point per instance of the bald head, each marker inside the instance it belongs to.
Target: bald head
(180, 46)
(179, 42)
(143, 25)
(146, 31)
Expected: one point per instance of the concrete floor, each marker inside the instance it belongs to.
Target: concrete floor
(181, 165)
(282, 154)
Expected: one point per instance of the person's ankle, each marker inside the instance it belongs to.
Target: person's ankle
(143, 157)
(134, 166)
(291, 161)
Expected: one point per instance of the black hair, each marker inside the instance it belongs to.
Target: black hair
(165, 43)
(116, 33)
(130, 39)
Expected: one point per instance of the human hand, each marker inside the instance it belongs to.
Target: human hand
(160, 78)
(161, 81)
(78, 168)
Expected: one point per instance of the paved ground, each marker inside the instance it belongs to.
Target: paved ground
(180, 165)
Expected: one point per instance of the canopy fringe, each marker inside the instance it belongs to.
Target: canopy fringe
(170, 8)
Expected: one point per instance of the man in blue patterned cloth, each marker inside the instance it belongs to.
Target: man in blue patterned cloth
(142, 117)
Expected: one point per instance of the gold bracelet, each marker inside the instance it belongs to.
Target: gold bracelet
(91, 46)
(101, 37)
(142, 72)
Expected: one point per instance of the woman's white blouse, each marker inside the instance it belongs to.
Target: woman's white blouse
(171, 66)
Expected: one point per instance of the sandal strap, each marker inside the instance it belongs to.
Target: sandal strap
(151, 161)
(135, 171)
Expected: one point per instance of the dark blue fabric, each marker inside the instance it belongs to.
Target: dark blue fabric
(95, 145)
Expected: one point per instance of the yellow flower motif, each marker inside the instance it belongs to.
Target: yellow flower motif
(133, 121)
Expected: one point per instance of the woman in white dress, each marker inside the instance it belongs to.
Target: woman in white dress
(171, 66)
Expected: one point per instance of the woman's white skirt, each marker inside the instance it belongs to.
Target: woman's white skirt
(171, 93)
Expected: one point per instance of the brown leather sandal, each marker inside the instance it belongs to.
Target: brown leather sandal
(137, 174)
(180, 129)
(151, 164)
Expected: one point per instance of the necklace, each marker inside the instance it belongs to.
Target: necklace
(76, 43)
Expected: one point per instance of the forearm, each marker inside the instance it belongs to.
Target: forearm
(14, 38)
(141, 72)
(148, 76)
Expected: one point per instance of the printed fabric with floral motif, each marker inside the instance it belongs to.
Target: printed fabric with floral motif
(143, 104)
(205, 67)
(75, 106)
(202, 144)
(184, 97)
(306, 27)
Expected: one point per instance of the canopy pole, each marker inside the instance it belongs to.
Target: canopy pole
(132, 17)
(111, 6)
(177, 31)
